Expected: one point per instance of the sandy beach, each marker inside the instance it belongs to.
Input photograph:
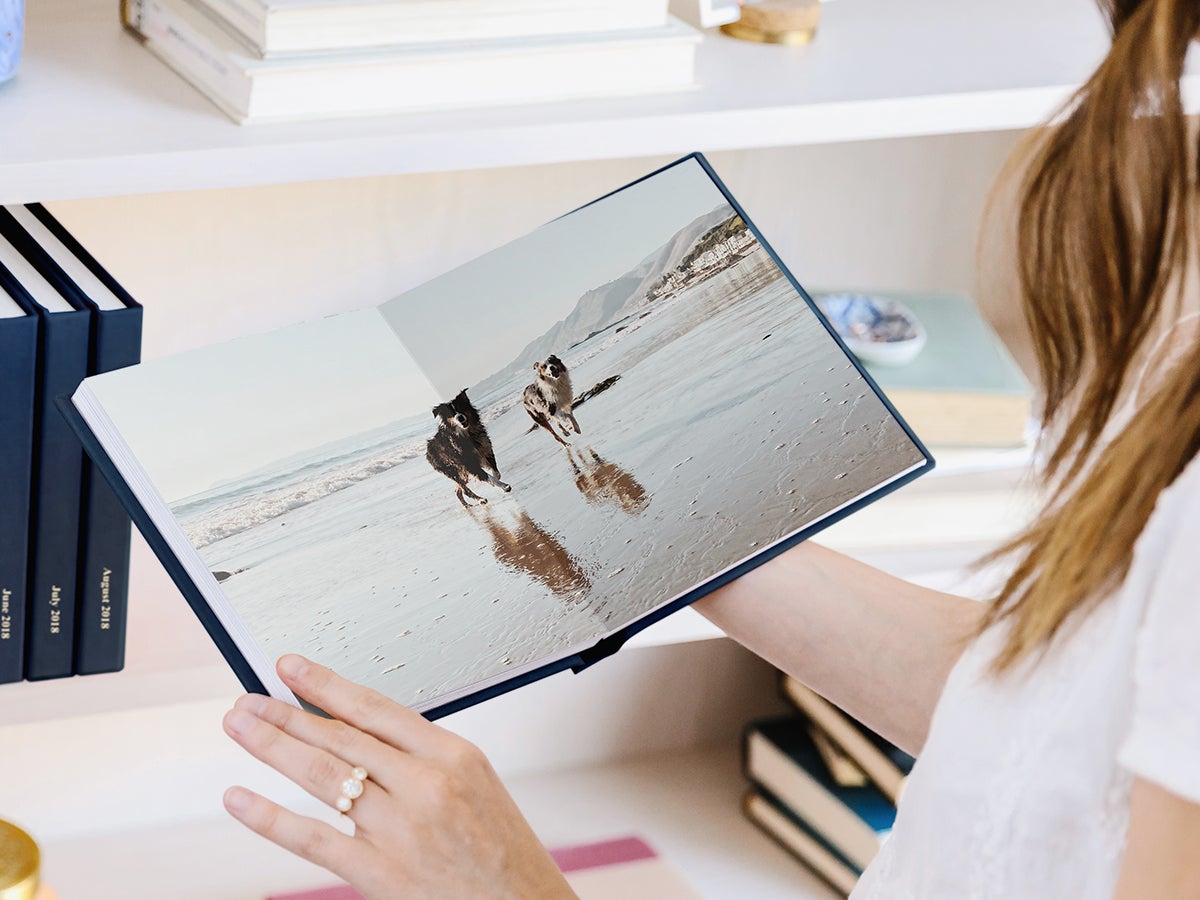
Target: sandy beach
(736, 421)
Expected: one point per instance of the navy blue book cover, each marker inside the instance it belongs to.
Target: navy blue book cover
(18, 382)
(105, 533)
(57, 474)
(104, 538)
(57, 483)
(507, 471)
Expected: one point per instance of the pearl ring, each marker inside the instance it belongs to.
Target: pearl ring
(352, 789)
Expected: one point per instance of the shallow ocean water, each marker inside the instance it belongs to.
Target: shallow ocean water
(736, 421)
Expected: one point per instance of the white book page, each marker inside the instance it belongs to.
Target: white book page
(95, 289)
(42, 291)
(8, 306)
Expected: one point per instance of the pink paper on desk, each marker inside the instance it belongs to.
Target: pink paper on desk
(604, 853)
(333, 892)
(626, 868)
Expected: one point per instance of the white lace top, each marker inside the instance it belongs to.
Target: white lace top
(1022, 788)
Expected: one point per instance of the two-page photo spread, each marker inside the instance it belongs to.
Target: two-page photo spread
(520, 457)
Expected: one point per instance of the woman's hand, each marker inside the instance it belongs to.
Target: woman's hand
(433, 819)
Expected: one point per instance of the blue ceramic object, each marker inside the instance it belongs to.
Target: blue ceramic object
(876, 329)
(12, 25)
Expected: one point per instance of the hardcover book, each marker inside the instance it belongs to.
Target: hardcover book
(411, 77)
(781, 759)
(277, 27)
(104, 537)
(793, 834)
(843, 768)
(505, 472)
(886, 765)
(18, 385)
(57, 469)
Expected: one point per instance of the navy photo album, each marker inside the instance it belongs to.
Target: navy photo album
(505, 472)
(64, 536)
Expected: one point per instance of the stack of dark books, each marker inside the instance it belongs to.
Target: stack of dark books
(64, 537)
(823, 786)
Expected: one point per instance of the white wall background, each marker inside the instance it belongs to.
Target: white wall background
(896, 214)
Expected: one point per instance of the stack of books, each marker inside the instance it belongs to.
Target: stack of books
(64, 537)
(823, 786)
(277, 60)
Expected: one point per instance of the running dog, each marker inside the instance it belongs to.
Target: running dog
(549, 399)
(479, 436)
(461, 449)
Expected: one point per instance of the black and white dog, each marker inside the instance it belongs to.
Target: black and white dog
(549, 399)
(461, 449)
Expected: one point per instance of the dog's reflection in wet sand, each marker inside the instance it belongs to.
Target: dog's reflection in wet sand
(519, 542)
(605, 483)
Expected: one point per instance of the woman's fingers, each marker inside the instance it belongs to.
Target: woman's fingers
(316, 770)
(365, 709)
(385, 765)
(315, 841)
(447, 829)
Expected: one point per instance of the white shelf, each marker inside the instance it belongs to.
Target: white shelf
(92, 114)
(169, 659)
(685, 805)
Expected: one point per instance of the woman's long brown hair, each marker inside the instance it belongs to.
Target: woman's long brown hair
(1105, 234)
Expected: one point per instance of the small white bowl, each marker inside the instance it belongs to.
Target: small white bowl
(877, 330)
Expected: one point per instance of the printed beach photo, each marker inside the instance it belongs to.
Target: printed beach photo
(520, 457)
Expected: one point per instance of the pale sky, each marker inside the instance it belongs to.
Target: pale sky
(209, 415)
(212, 414)
(473, 321)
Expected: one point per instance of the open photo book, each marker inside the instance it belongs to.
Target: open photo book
(509, 470)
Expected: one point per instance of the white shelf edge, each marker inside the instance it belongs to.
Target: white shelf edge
(99, 116)
(435, 152)
(84, 695)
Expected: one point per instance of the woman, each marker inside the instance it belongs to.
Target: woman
(1058, 728)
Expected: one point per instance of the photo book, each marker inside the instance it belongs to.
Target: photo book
(505, 472)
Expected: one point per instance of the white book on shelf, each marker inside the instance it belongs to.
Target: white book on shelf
(706, 13)
(300, 26)
(412, 78)
(701, 13)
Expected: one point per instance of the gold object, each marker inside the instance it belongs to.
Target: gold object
(777, 22)
(19, 863)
